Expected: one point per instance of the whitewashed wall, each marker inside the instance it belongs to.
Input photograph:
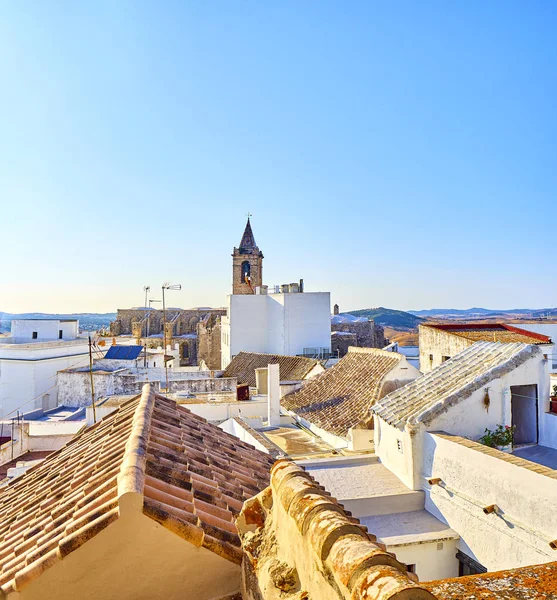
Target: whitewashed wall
(27, 379)
(435, 560)
(276, 324)
(520, 535)
(47, 329)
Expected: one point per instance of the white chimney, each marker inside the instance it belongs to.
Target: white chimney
(273, 395)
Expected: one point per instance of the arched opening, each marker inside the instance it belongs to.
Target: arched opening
(245, 271)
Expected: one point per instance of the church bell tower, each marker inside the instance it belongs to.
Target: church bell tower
(247, 264)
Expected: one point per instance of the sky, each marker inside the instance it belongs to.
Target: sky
(398, 154)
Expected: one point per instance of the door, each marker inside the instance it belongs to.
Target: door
(524, 414)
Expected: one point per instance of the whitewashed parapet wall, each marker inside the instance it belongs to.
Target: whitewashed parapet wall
(519, 529)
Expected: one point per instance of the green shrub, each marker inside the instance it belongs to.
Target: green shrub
(502, 436)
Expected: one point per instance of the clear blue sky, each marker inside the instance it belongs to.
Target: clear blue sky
(394, 153)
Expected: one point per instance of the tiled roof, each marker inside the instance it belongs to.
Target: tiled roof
(326, 552)
(193, 478)
(340, 397)
(291, 368)
(492, 332)
(451, 382)
(538, 582)
(27, 457)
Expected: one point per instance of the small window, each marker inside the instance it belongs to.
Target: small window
(445, 358)
(154, 363)
(431, 357)
(399, 445)
(35, 335)
(411, 568)
(60, 334)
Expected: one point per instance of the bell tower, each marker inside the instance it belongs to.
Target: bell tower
(247, 264)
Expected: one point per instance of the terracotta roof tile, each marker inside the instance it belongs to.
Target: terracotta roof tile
(537, 582)
(193, 478)
(291, 368)
(340, 397)
(491, 332)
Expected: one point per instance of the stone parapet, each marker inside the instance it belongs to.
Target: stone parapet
(300, 542)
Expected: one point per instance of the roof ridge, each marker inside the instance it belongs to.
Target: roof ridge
(379, 351)
(276, 354)
(131, 478)
(496, 358)
(494, 372)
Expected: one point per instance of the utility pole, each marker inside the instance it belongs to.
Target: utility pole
(92, 384)
(166, 286)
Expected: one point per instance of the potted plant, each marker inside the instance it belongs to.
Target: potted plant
(500, 437)
(553, 400)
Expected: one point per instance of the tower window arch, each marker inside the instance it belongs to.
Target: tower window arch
(245, 271)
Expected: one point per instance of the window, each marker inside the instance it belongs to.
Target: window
(468, 566)
(431, 357)
(445, 358)
(35, 335)
(411, 568)
(60, 334)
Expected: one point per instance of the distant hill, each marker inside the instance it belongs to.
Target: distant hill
(484, 312)
(387, 317)
(87, 321)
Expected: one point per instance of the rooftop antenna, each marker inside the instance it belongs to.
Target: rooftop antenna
(146, 289)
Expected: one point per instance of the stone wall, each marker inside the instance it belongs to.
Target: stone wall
(300, 543)
(436, 344)
(181, 329)
(74, 386)
(368, 334)
(151, 320)
(209, 341)
(203, 386)
(341, 341)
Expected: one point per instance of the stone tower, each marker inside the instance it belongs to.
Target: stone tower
(247, 264)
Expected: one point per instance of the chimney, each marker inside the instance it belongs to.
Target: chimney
(335, 309)
(301, 286)
(273, 395)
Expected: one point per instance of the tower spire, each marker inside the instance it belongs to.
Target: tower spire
(248, 241)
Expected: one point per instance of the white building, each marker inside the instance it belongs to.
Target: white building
(30, 358)
(289, 323)
(440, 341)
(499, 503)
